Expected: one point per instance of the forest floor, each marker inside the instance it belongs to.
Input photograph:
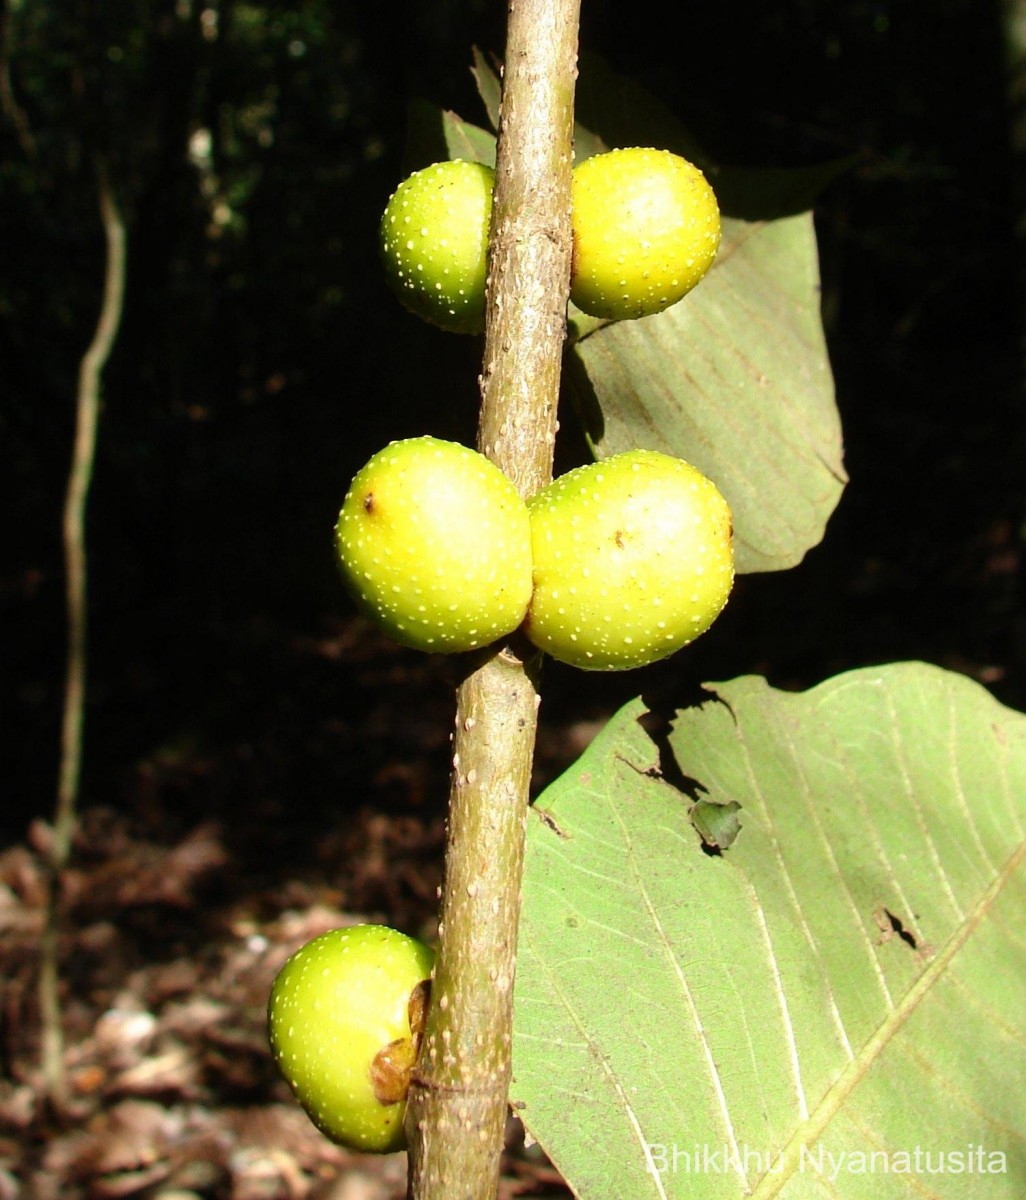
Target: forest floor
(175, 923)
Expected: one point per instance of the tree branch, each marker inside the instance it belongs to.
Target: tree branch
(457, 1105)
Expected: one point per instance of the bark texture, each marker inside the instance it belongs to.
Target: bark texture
(457, 1108)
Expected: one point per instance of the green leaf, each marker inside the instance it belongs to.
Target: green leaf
(765, 193)
(468, 141)
(813, 1012)
(489, 86)
(435, 134)
(736, 380)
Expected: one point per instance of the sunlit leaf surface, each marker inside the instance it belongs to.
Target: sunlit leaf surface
(834, 1005)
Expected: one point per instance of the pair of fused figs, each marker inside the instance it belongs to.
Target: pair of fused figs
(646, 228)
(613, 565)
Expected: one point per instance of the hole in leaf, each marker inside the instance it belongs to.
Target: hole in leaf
(892, 926)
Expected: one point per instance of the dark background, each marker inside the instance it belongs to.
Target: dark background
(261, 361)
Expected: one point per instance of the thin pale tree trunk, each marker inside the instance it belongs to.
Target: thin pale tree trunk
(76, 586)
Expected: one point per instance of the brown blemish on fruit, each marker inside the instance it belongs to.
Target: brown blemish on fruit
(417, 1008)
(392, 1066)
(368, 502)
(390, 1071)
(618, 538)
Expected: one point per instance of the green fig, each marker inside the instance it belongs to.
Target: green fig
(434, 243)
(344, 1020)
(633, 559)
(646, 229)
(434, 543)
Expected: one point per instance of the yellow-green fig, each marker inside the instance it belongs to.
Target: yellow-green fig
(434, 243)
(344, 1020)
(646, 228)
(434, 542)
(633, 559)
